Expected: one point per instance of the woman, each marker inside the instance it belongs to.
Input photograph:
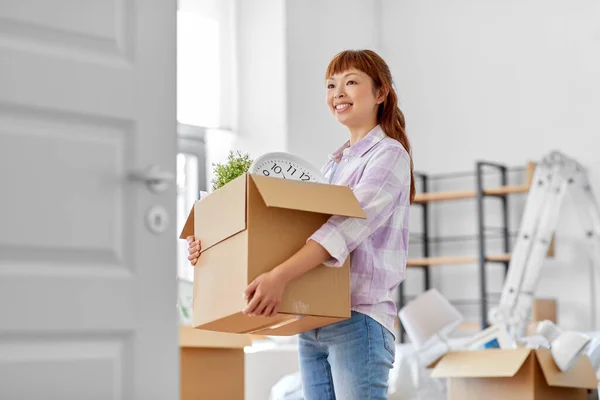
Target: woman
(352, 359)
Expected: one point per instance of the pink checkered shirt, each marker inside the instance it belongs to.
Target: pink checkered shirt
(377, 169)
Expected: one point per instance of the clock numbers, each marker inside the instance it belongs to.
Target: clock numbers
(276, 168)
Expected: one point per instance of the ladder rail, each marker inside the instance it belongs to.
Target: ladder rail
(553, 178)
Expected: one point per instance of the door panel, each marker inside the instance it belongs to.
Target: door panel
(91, 30)
(87, 291)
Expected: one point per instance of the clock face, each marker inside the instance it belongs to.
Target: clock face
(286, 166)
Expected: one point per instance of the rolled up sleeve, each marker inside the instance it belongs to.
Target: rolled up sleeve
(385, 180)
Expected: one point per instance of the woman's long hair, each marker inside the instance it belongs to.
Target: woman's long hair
(389, 115)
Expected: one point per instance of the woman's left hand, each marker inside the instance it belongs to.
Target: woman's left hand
(265, 294)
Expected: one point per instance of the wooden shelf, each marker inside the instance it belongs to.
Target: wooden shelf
(465, 326)
(433, 261)
(469, 326)
(421, 198)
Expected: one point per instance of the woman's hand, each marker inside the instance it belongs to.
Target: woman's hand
(265, 294)
(193, 249)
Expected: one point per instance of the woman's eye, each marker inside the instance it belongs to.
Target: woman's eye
(330, 86)
(351, 83)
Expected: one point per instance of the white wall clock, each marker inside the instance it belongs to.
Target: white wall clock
(287, 166)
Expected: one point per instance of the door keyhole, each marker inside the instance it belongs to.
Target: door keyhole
(157, 219)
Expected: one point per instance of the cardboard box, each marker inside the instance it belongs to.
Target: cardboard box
(211, 364)
(250, 226)
(516, 374)
(542, 309)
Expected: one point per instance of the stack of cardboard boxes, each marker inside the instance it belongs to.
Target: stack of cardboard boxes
(246, 228)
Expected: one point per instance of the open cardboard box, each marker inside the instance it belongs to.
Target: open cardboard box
(248, 227)
(515, 374)
(211, 364)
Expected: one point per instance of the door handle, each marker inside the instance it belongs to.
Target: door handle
(157, 180)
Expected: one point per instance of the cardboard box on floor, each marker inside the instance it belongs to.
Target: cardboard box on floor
(211, 364)
(516, 374)
(248, 227)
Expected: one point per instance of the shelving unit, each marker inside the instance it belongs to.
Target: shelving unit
(479, 194)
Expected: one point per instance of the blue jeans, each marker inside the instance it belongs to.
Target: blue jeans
(348, 360)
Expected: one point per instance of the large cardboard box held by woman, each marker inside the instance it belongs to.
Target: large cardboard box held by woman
(248, 227)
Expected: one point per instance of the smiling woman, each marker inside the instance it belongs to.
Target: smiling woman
(352, 359)
(353, 100)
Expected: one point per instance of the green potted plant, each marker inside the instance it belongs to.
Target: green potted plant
(237, 164)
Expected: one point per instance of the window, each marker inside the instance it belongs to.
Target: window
(191, 179)
(198, 66)
(204, 85)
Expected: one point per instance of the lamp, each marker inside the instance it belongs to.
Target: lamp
(566, 346)
(593, 353)
(429, 316)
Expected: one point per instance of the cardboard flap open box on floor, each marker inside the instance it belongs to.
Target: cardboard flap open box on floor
(516, 374)
(250, 226)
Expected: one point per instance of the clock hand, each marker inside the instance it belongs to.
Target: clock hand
(283, 175)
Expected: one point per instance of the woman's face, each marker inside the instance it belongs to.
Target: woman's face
(351, 98)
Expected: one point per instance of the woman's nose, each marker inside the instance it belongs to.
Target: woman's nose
(339, 94)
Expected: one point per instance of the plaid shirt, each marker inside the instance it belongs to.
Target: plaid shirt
(377, 169)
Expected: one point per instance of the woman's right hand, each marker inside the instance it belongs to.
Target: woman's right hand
(193, 249)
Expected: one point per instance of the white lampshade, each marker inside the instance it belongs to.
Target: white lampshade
(593, 353)
(427, 316)
(566, 346)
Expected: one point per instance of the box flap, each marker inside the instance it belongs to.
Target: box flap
(191, 337)
(581, 375)
(480, 363)
(219, 215)
(308, 196)
(188, 227)
(278, 325)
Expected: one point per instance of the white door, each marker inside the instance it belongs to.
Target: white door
(87, 291)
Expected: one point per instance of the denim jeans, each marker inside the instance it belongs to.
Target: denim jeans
(348, 360)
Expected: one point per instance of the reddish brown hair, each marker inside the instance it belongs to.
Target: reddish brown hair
(389, 115)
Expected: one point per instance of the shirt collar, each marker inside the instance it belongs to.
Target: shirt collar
(361, 147)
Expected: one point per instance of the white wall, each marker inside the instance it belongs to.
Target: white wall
(508, 82)
(315, 32)
(261, 124)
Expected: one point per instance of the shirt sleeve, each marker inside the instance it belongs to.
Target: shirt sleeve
(385, 181)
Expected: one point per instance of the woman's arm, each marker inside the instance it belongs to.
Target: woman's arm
(310, 256)
(383, 188)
